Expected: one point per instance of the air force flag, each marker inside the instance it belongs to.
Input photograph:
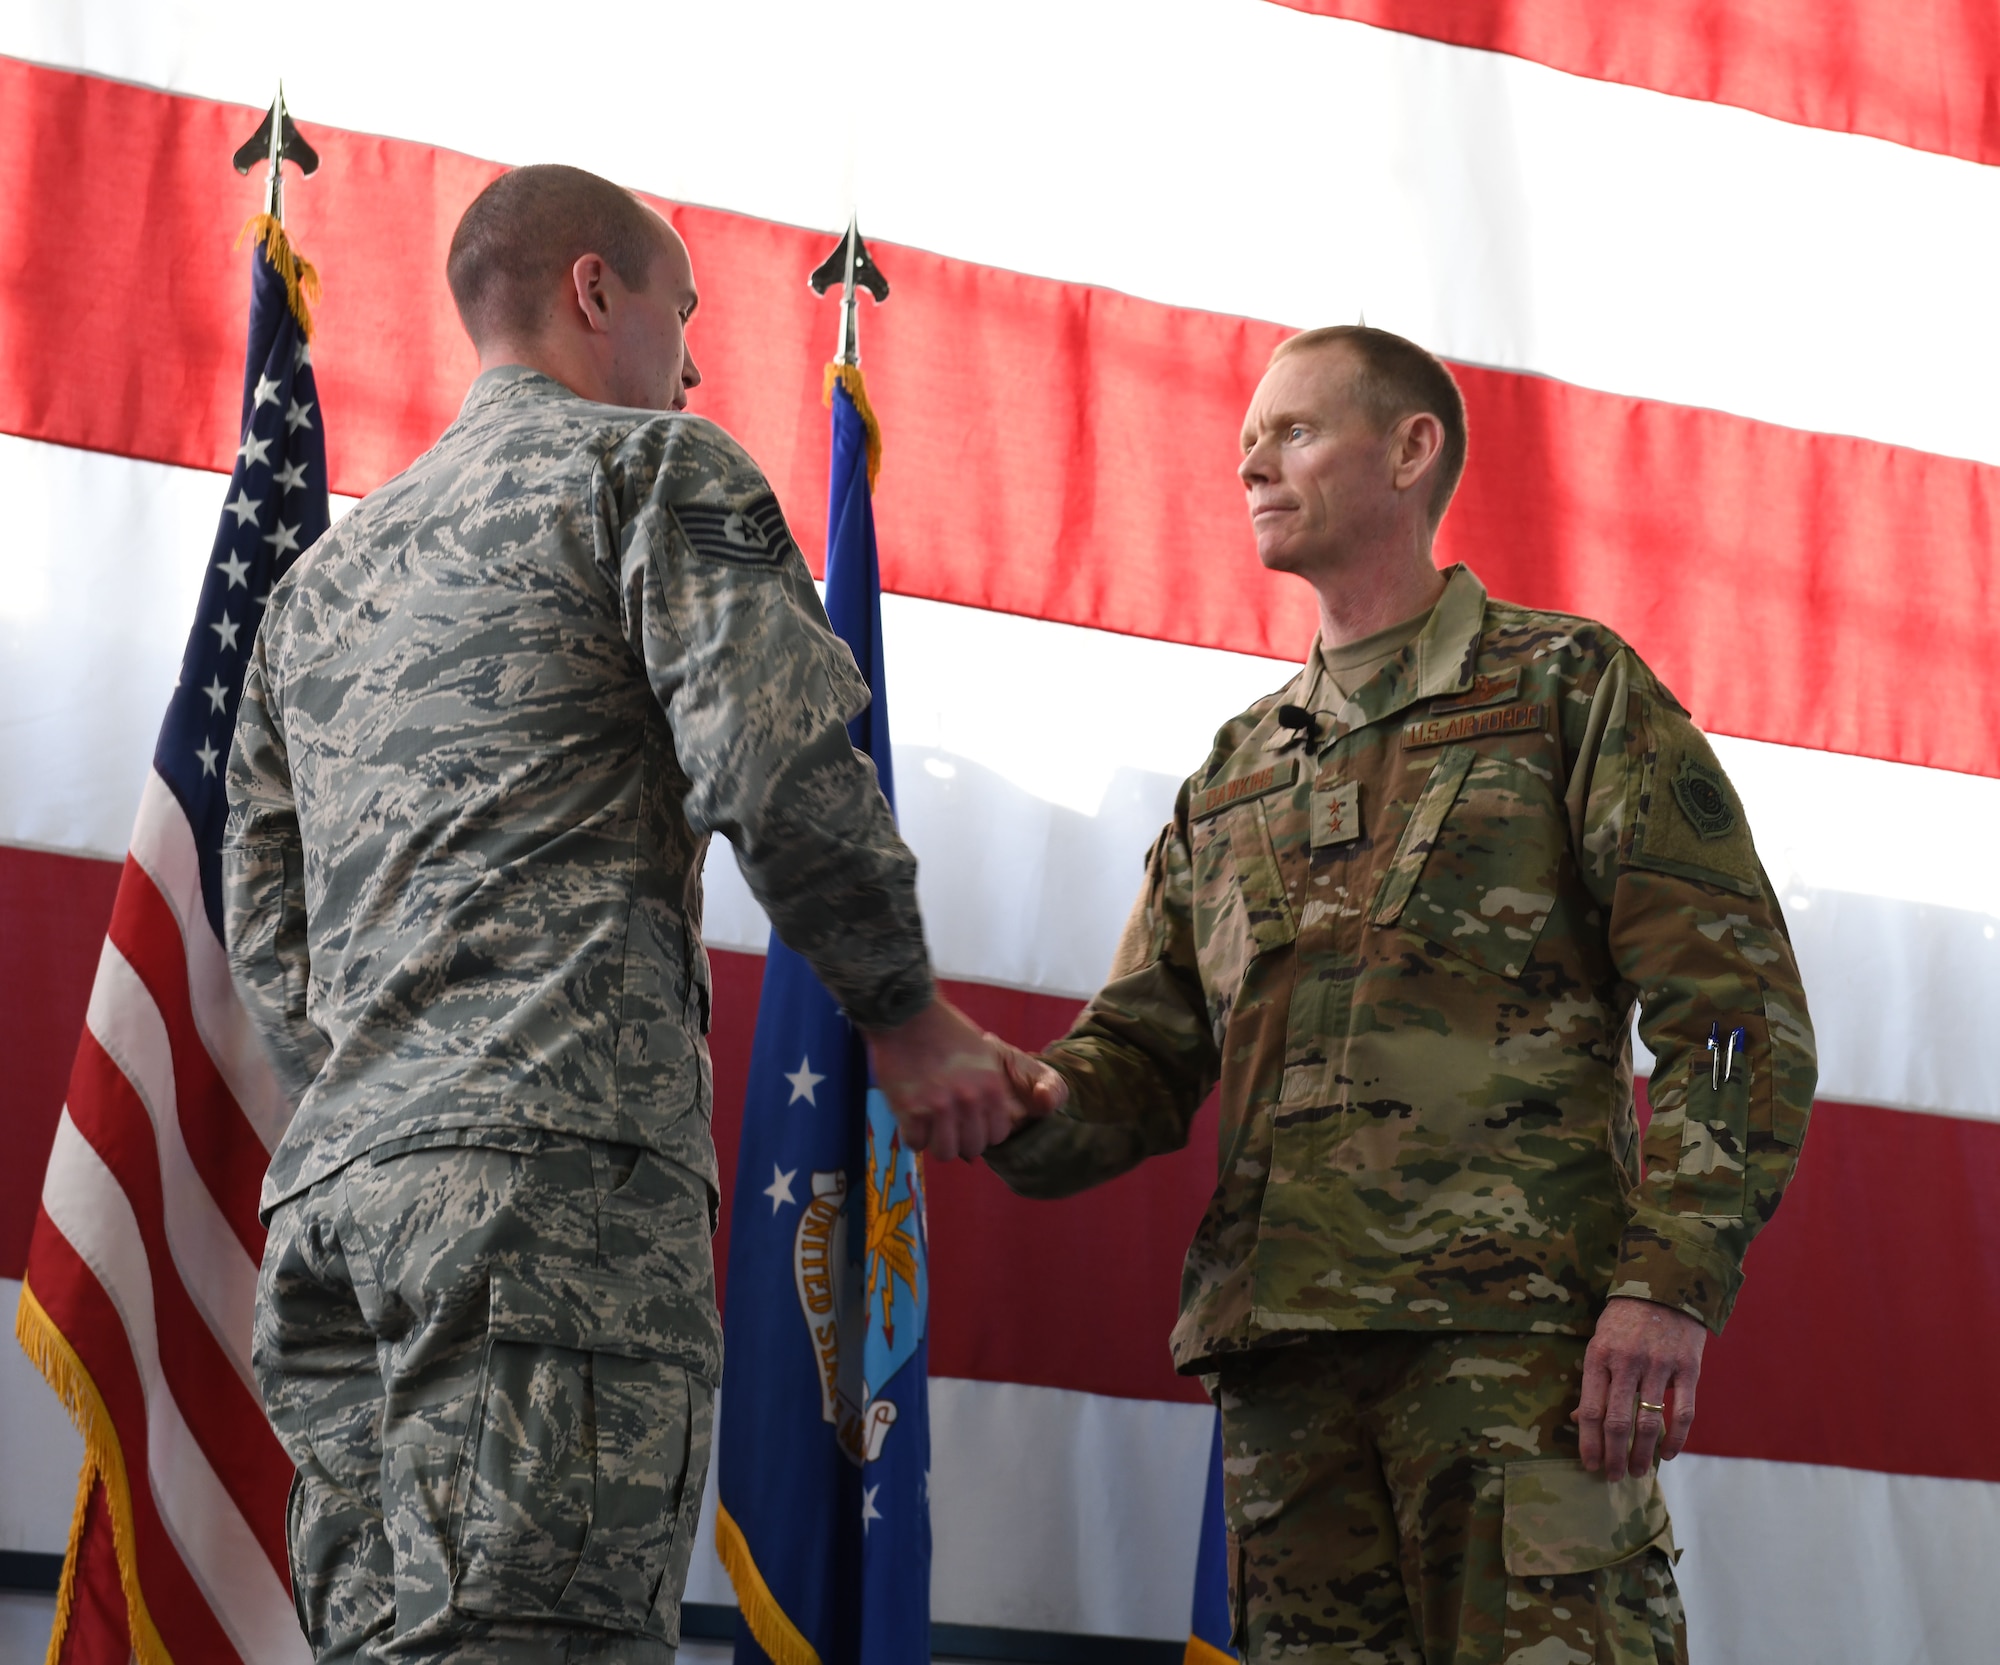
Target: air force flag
(824, 1454)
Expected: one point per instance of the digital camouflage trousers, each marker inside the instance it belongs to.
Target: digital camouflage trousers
(494, 1366)
(1416, 1499)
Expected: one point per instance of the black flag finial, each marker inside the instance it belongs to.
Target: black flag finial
(850, 266)
(276, 142)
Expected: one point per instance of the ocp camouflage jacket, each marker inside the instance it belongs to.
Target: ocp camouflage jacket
(1409, 948)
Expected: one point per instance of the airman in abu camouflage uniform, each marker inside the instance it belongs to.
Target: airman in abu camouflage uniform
(1446, 1289)
(489, 724)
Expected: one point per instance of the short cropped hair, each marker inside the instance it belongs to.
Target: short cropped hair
(516, 243)
(1397, 378)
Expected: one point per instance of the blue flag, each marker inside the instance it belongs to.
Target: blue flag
(824, 1444)
(1209, 1624)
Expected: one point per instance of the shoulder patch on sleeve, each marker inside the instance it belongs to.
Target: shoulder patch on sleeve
(1690, 821)
(752, 534)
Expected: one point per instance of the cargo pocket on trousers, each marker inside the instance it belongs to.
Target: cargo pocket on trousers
(1588, 1561)
(569, 1502)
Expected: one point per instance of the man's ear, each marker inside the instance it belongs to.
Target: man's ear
(1419, 441)
(587, 278)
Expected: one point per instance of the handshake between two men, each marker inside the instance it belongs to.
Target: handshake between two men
(956, 1091)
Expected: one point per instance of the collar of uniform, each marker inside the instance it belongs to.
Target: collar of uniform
(510, 381)
(1439, 661)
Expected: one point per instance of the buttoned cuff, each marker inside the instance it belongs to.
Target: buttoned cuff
(896, 999)
(1674, 1263)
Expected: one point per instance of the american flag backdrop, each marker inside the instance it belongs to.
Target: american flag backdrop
(1717, 277)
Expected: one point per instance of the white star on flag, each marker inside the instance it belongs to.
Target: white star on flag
(780, 1188)
(286, 537)
(225, 631)
(208, 754)
(868, 1510)
(302, 354)
(244, 508)
(254, 451)
(267, 393)
(803, 1081)
(216, 693)
(299, 416)
(238, 570)
(292, 477)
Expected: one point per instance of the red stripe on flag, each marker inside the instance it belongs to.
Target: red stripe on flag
(53, 913)
(1869, 1294)
(71, 1295)
(1865, 1333)
(1924, 73)
(227, 1153)
(1028, 470)
(226, 1420)
(98, 1631)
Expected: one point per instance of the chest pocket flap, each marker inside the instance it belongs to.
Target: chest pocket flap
(1241, 906)
(1478, 866)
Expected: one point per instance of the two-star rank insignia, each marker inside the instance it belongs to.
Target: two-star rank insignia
(1336, 814)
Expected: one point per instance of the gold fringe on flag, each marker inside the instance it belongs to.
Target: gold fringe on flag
(849, 377)
(103, 1462)
(775, 1633)
(1205, 1653)
(300, 275)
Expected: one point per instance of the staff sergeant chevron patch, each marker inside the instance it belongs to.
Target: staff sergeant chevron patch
(754, 535)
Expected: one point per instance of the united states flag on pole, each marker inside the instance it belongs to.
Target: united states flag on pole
(143, 1267)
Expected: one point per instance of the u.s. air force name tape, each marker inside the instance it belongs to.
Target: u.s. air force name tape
(1505, 719)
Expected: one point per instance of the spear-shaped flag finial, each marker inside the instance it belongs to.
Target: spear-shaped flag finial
(850, 267)
(276, 142)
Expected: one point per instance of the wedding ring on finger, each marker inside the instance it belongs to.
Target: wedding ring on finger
(1648, 1405)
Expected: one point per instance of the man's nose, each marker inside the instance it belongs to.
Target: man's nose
(690, 376)
(1255, 465)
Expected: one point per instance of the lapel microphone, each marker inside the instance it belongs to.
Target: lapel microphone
(1298, 718)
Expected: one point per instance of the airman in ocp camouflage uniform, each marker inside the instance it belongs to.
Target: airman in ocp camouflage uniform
(490, 722)
(1402, 916)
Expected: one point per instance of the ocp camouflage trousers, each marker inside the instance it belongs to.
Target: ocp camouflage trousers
(494, 1366)
(1404, 1499)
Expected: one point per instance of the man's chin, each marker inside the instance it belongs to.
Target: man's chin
(1278, 557)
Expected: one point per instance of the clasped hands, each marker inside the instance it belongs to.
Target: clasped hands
(956, 1090)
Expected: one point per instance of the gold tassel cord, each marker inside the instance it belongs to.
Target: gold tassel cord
(849, 377)
(776, 1634)
(103, 1461)
(300, 275)
(86, 1481)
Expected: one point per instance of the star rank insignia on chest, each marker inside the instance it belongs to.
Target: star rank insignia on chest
(1336, 814)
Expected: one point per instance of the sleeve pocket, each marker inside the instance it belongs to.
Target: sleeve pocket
(592, 1412)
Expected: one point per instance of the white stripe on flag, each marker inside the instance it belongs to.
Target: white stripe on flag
(87, 1205)
(163, 844)
(1498, 211)
(219, 1276)
(1788, 1562)
(1073, 1512)
(1035, 763)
